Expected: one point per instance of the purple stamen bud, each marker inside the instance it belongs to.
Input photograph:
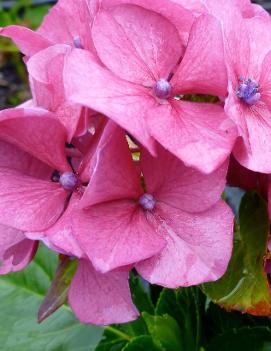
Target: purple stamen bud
(77, 43)
(147, 202)
(248, 91)
(162, 89)
(68, 180)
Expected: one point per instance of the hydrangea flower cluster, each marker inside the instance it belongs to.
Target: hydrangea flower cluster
(121, 157)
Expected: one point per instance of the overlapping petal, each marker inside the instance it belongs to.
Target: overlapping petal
(116, 234)
(46, 77)
(204, 57)
(198, 247)
(29, 204)
(178, 15)
(170, 182)
(101, 298)
(28, 41)
(89, 84)
(16, 251)
(71, 21)
(60, 236)
(112, 172)
(37, 132)
(201, 135)
(14, 158)
(258, 124)
(137, 45)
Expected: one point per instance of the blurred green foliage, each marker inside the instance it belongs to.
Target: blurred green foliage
(13, 76)
(22, 13)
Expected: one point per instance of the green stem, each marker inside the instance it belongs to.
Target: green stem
(119, 333)
(198, 331)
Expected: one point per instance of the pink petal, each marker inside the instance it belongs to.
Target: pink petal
(28, 42)
(265, 80)
(257, 10)
(60, 236)
(91, 85)
(46, 71)
(235, 109)
(259, 31)
(14, 158)
(198, 247)
(88, 144)
(199, 134)
(88, 122)
(113, 175)
(101, 299)
(46, 68)
(236, 36)
(203, 70)
(15, 250)
(172, 10)
(137, 45)
(37, 132)
(169, 181)
(27, 203)
(71, 20)
(196, 6)
(256, 156)
(27, 104)
(116, 234)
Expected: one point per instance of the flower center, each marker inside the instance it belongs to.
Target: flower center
(68, 180)
(248, 91)
(162, 89)
(147, 202)
(77, 43)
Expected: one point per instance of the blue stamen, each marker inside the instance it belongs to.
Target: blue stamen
(248, 91)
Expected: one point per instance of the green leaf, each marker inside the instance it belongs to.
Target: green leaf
(186, 306)
(113, 340)
(34, 15)
(244, 287)
(142, 343)
(141, 296)
(218, 320)
(5, 18)
(20, 297)
(200, 98)
(167, 304)
(165, 331)
(248, 339)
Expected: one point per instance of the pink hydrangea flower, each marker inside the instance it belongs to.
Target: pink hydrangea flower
(153, 227)
(248, 54)
(134, 61)
(71, 21)
(145, 66)
(68, 23)
(46, 81)
(32, 147)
